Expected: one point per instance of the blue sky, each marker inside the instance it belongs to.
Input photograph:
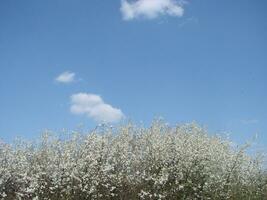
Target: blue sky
(199, 60)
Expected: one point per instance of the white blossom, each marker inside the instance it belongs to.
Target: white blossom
(159, 162)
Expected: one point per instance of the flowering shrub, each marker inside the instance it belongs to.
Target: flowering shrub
(130, 162)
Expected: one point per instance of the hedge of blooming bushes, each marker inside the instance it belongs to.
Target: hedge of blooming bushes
(128, 163)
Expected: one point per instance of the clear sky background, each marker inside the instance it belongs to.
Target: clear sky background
(206, 64)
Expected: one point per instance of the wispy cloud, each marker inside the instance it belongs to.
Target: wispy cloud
(94, 107)
(150, 9)
(249, 121)
(65, 77)
(187, 21)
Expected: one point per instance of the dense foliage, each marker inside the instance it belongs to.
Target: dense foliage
(130, 162)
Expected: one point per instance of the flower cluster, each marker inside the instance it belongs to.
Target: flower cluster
(130, 162)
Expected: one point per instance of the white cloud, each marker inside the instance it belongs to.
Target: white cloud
(66, 77)
(150, 8)
(94, 107)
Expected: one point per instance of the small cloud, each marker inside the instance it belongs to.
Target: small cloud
(190, 20)
(249, 121)
(65, 77)
(94, 107)
(151, 9)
